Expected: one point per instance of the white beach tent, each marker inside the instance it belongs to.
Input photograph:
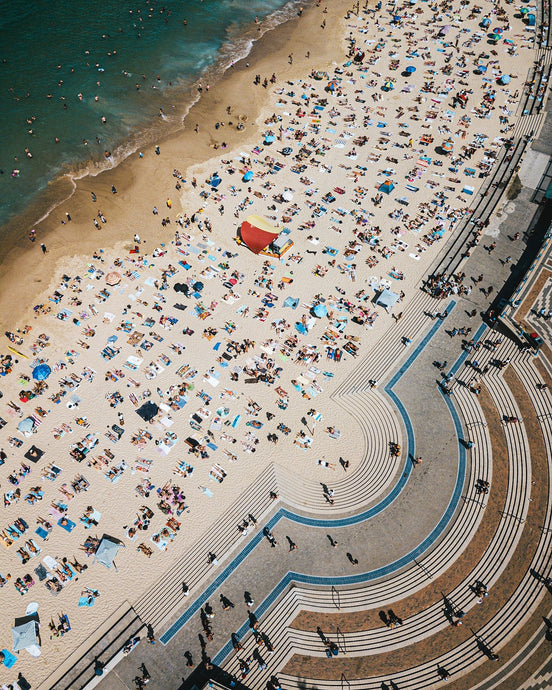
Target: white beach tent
(387, 299)
(25, 635)
(107, 551)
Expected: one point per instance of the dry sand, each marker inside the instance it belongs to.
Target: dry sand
(333, 162)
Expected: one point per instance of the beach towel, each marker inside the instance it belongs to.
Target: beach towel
(9, 658)
(86, 601)
(42, 533)
(69, 526)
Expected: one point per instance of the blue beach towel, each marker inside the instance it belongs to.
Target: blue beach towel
(69, 527)
(86, 601)
(9, 658)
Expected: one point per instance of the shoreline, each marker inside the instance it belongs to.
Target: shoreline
(208, 108)
(176, 100)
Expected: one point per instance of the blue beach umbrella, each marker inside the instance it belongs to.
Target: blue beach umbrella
(41, 372)
(319, 311)
(269, 139)
(215, 181)
(410, 69)
(248, 176)
(505, 79)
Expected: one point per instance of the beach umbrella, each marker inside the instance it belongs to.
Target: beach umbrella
(215, 180)
(505, 79)
(410, 69)
(485, 22)
(481, 69)
(448, 146)
(113, 278)
(287, 195)
(112, 339)
(292, 302)
(41, 372)
(319, 310)
(397, 19)
(24, 635)
(332, 85)
(26, 426)
(286, 151)
(389, 85)
(249, 174)
(269, 139)
(444, 30)
(198, 287)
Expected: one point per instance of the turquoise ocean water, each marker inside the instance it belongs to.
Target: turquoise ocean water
(66, 64)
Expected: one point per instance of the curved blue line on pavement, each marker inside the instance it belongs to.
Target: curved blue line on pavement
(202, 599)
(361, 578)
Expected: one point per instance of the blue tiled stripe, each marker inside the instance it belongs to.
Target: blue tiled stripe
(202, 599)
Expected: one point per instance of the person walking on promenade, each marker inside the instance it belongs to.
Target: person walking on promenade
(227, 605)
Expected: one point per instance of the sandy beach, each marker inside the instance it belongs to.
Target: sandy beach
(368, 146)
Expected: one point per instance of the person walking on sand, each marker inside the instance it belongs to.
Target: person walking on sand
(43, 247)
